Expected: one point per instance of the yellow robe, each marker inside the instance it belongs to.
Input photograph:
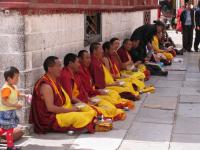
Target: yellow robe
(155, 45)
(103, 107)
(75, 119)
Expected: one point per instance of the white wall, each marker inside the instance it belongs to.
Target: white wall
(154, 15)
(120, 24)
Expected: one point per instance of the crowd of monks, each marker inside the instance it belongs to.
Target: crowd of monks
(91, 90)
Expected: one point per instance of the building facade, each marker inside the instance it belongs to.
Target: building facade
(31, 30)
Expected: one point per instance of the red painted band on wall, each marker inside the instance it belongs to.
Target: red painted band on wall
(46, 8)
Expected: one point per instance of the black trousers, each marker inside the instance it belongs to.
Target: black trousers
(187, 37)
(197, 40)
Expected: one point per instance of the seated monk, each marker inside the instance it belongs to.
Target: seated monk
(102, 77)
(112, 65)
(51, 107)
(72, 83)
(123, 53)
(85, 60)
(156, 47)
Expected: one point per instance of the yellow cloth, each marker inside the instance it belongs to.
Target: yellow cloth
(103, 107)
(75, 119)
(127, 87)
(114, 98)
(155, 45)
(108, 110)
(13, 98)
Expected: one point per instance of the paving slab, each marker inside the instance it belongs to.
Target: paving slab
(161, 102)
(189, 99)
(186, 138)
(99, 141)
(50, 141)
(151, 116)
(176, 77)
(185, 142)
(192, 75)
(192, 79)
(143, 145)
(187, 125)
(153, 80)
(152, 132)
(176, 72)
(125, 124)
(191, 84)
(137, 106)
(174, 92)
(171, 77)
(189, 110)
(176, 67)
(194, 69)
(164, 83)
(147, 136)
(190, 91)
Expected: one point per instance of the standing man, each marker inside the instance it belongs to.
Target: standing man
(187, 20)
(197, 23)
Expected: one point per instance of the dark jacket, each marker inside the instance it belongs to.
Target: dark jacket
(183, 17)
(197, 17)
(145, 35)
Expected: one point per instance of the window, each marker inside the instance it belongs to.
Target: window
(92, 28)
(147, 17)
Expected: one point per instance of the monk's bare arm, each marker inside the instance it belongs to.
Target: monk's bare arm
(130, 62)
(47, 93)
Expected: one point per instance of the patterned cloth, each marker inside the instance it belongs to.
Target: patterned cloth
(8, 119)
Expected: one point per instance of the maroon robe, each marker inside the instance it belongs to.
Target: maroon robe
(87, 81)
(97, 73)
(123, 55)
(44, 121)
(68, 79)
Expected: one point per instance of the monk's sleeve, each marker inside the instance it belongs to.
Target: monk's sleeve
(121, 55)
(98, 77)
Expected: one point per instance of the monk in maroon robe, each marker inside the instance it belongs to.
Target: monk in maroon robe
(48, 101)
(97, 72)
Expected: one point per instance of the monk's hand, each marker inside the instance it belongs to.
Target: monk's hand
(92, 102)
(102, 92)
(170, 48)
(125, 76)
(75, 109)
(18, 106)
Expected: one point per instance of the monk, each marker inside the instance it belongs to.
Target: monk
(136, 78)
(156, 47)
(102, 77)
(51, 107)
(123, 53)
(85, 60)
(71, 81)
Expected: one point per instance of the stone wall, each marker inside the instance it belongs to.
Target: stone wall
(26, 40)
(120, 24)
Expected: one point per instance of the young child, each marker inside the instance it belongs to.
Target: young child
(9, 104)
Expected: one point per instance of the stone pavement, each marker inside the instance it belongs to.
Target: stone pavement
(166, 120)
